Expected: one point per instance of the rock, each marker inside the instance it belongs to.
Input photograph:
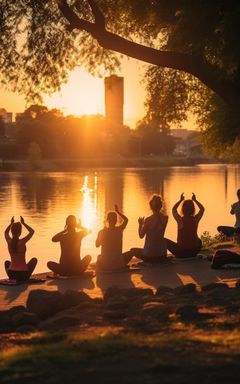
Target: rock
(162, 290)
(26, 329)
(25, 318)
(97, 300)
(232, 293)
(214, 302)
(59, 321)
(114, 315)
(137, 292)
(222, 293)
(186, 289)
(157, 310)
(111, 293)
(187, 312)
(117, 304)
(5, 322)
(115, 292)
(232, 309)
(86, 305)
(16, 309)
(45, 303)
(211, 286)
(73, 298)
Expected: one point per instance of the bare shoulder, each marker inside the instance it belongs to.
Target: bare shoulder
(148, 220)
(163, 216)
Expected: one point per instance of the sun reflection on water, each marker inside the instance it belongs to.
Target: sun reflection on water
(88, 209)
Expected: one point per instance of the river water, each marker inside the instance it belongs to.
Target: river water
(45, 199)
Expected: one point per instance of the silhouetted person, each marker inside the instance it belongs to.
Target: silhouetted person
(70, 242)
(188, 243)
(153, 229)
(110, 240)
(235, 210)
(17, 268)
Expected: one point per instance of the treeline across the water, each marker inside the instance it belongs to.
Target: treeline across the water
(45, 134)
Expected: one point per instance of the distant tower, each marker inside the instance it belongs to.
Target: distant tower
(114, 99)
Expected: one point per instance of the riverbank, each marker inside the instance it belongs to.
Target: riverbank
(130, 333)
(106, 162)
(172, 275)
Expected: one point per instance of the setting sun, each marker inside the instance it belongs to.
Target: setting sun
(82, 95)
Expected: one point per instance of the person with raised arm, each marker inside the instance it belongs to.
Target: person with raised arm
(18, 269)
(235, 210)
(188, 243)
(70, 242)
(153, 228)
(110, 239)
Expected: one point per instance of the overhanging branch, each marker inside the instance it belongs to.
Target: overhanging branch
(188, 63)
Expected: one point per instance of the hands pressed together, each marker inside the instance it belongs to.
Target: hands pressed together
(182, 197)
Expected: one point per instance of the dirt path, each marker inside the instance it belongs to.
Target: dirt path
(194, 271)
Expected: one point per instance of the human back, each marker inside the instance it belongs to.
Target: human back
(153, 228)
(70, 238)
(110, 239)
(188, 243)
(111, 250)
(70, 245)
(17, 268)
(188, 224)
(187, 232)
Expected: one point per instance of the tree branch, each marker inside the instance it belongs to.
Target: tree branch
(99, 18)
(188, 63)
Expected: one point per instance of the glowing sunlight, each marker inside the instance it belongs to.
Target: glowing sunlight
(82, 95)
(88, 209)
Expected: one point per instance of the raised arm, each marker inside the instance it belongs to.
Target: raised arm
(164, 222)
(7, 230)
(199, 215)
(175, 213)
(84, 232)
(98, 241)
(123, 217)
(141, 227)
(30, 230)
(233, 209)
(58, 236)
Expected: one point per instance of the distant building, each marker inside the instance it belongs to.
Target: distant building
(187, 143)
(9, 125)
(18, 116)
(6, 116)
(114, 99)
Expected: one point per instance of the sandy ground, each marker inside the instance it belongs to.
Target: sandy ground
(192, 271)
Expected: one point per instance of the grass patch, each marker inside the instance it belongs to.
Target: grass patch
(114, 355)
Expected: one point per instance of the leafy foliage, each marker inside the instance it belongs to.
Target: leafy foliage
(38, 51)
(155, 140)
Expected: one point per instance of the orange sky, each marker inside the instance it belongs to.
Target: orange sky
(84, 94)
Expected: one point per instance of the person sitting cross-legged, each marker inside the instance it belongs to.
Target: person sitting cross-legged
(18, 269)
(110, 240)
(235, 210)
(188, 243)
(153, 229)
(70, 242)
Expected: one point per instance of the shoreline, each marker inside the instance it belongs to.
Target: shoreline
(117, 162)
(172, 275)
